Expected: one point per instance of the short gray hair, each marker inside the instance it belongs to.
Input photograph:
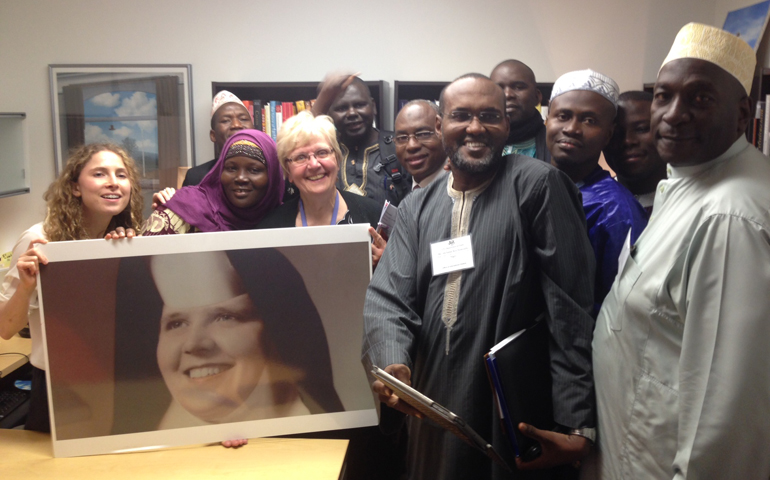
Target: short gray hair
(299, 130)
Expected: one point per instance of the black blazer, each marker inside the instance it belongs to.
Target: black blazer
(196, 174)
(362, 210)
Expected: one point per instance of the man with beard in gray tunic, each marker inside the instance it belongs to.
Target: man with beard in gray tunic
(531, 259)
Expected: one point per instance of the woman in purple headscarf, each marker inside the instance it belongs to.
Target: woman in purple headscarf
(243, 186)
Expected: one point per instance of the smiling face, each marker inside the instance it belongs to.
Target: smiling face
(244, 181)
(420, 158)
(698, 111)
(521, 93)
(103, 188)
(353, 113)
(211, 356)
(473, 125)
(631, 152)
(316, 176)
(579, 125)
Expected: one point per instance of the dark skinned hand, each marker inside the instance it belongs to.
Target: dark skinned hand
(558, 448)
(119, 233)
(401, 372)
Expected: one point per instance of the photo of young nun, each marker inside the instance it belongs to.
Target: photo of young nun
(236, 337)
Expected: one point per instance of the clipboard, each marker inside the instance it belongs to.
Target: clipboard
(439, 414)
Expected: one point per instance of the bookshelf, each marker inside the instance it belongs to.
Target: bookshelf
(293, 91)
(761, 86)
(757, 130)
(405, 91)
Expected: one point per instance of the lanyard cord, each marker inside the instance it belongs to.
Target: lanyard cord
(334, 213)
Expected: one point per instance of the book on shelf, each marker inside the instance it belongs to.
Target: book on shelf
(269, 115)
(250, 107)
(764, 132)
(268, 120)
(275, 122)
(256, 106)
(755, 131)
(761, 126)
(288, 110)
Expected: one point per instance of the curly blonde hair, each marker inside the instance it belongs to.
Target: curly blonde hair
(64, 217)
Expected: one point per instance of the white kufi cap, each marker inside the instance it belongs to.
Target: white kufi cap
(588, 80)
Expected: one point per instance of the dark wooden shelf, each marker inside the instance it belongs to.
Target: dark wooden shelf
(404, 91)
(407, 91)
(293, 91)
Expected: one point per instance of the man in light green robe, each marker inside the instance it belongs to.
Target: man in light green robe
(680, 350)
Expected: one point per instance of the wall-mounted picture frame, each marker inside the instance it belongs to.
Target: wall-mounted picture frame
(146, 109)
(186, 339)
(14, 164)
(749, 23)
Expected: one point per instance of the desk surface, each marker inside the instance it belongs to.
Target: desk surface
(9, 363)
(28, 456)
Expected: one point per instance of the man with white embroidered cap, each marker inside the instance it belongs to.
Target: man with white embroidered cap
(680, 346)
(228, 116)
(581, 119)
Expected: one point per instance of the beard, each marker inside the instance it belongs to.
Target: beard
(484, 164)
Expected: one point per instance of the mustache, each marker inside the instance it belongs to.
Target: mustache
(489, 162)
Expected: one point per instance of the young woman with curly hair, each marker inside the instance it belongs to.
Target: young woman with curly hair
(98, 192)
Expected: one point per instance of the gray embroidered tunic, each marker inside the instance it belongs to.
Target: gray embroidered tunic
(529, 241)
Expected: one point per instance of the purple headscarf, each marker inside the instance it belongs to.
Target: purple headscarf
(206, 207)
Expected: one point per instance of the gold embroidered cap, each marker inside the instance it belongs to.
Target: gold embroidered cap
(723, 49)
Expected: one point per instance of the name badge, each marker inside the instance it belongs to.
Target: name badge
(451, 255)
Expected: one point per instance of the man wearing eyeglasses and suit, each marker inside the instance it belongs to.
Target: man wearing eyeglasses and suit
(418, 145)
(429, 324)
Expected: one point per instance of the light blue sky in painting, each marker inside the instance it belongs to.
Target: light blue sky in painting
(122, 104)
(747, 22)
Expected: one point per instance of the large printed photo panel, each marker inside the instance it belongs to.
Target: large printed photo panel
(165, 341)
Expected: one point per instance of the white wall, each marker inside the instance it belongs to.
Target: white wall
(299, 40)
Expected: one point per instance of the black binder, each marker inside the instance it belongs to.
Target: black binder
(520, 374)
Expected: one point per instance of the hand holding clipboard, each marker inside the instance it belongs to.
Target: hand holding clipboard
(439, 414)
(387, 396)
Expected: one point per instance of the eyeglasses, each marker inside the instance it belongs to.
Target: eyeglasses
(303, 158)
(485, 118)
(421, 137)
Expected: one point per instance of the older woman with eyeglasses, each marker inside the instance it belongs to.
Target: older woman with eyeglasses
(309, 154)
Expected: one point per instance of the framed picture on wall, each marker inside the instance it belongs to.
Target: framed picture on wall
(146, 109)
(749, 23)
(184, 339)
